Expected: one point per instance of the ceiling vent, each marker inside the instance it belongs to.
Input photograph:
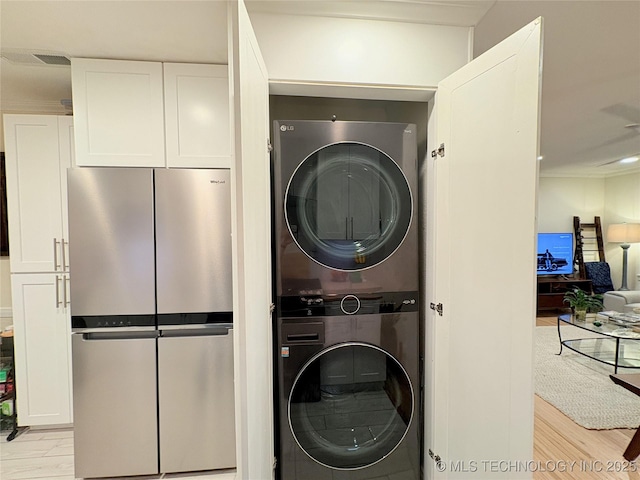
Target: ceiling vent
(53, 59)
(18, 57)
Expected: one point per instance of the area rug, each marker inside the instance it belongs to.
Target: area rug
(580, 387)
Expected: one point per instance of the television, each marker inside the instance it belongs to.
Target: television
(555, 253)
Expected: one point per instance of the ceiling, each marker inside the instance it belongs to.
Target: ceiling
(591, 79)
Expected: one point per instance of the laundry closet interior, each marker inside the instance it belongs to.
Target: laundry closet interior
(460, 120)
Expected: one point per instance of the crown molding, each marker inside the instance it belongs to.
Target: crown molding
(43, 107)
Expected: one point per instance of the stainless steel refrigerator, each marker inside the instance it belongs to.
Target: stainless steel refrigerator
(150, 256)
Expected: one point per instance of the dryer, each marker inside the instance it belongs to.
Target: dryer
(345, 210)
(346, 281)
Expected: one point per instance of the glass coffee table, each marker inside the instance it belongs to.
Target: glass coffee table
(616, 345)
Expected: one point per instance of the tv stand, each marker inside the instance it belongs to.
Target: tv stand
(551, 291)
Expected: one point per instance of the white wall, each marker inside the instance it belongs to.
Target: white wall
(614, 200)
(310, 49)
(560, 199)
(622, 204)
(5, 283)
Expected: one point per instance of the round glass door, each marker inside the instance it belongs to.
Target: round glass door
(348, 206)
(350, 406)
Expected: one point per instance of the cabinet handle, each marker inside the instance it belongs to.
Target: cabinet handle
(64, 292)
(58, 302)
(56, 265)
(65, 265)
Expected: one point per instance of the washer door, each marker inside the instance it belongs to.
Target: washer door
(348, 206)
(350, 406)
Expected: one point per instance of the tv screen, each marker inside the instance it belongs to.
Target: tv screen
(555, 253)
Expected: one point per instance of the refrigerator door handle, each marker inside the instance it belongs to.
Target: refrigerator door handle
(208, 331)
(114, 335)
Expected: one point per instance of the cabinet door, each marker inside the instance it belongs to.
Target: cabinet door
(34, 193)
(196, 102)
(251, 224)
(479, 370)
(118, 113)
(42, 348)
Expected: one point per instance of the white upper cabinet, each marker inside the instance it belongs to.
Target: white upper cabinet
(127, 112)
(196, 105)
(118, 110)
(38, 153)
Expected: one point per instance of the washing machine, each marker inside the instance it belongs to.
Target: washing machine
(346, 283)
(349, 397)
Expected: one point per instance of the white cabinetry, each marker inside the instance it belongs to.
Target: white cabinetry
(42, 351)
(118, 112)
(39, 149)
(38, 153)
(196, 107)
(125, 110)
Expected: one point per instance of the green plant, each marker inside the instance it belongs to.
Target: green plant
(580, 300)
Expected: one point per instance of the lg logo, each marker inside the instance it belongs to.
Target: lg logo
(284, 128)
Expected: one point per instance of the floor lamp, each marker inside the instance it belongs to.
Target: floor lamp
(624, 234)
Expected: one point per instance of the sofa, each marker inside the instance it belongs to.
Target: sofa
(621, 300)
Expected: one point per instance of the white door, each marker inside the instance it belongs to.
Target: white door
(251, 229)
(479, 404)
(119, 113)
(34, 193)
(42, 348)
(196, 107)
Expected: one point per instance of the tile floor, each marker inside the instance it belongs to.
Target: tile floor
(48, 454)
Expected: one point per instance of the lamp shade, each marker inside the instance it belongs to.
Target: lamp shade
(623, 233)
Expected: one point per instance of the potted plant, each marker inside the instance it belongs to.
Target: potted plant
(582, 302)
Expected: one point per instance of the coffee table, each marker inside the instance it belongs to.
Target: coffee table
(614, 345)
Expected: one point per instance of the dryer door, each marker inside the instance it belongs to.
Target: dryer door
(348, 206)
(350, 406)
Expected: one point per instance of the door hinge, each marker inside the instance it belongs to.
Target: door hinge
(269, 146)
(435, 457)
(439, 151)
(438, 308)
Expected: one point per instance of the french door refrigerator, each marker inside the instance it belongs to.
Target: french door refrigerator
(151, 320)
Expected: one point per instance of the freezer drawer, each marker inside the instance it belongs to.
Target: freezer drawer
(196, 400)
(114, 400)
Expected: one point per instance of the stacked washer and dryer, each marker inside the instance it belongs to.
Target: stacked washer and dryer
(346, 281)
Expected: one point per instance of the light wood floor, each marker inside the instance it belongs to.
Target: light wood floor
(561, 444)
